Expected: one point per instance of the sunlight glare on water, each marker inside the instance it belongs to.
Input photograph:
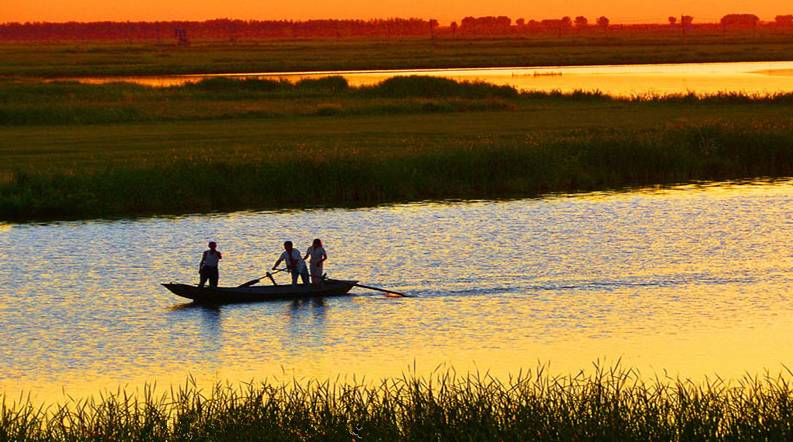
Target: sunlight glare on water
(616, 80)
(694, 280)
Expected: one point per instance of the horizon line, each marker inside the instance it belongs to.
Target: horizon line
(614, 20)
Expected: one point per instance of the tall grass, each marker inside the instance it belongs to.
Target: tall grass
(587, 160)
(178, 161)
(70, 103)
(604, 405)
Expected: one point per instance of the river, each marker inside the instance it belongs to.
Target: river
(618, 80)
(693, 280)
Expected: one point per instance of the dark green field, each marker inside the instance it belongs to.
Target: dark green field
(118, 59)
(78, 151)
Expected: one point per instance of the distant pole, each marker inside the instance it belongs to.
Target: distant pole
(683, 24)
(432, 23)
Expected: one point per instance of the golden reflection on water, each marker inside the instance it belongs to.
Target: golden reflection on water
(693, 280)
(617, 80)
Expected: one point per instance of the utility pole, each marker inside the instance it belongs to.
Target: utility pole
(684, 22)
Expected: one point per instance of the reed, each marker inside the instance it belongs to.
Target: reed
(477, 168)
(603, 404)
(24, 103)
(81, 151)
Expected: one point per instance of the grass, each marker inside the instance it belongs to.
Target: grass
(345, 175)
(36, 103)
(82, 151)
(606, 404)
(118, 59)
(64, 102)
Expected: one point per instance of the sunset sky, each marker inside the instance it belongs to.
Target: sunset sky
(621, 11)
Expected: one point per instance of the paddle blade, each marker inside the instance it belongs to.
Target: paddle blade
(389, 293)
(249, 283)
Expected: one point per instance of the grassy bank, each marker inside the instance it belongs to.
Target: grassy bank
(36, 103)
(605, 405)
(71, 151)
(449, 168)
(50, 103)
(97, 59)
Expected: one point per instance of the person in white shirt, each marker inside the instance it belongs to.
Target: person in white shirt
(294, 263)
(208, 269)
(317, 256)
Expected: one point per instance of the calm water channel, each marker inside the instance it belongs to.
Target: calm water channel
(619, 80)
(694, 280)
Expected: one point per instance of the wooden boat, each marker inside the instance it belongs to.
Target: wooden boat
(228, 295)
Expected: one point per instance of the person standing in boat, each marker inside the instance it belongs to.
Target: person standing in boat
(317, 255)
(208, 269)
(294, 263)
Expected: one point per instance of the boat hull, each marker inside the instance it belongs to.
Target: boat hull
(229, 295)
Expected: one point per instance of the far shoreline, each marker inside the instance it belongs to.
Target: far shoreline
(101, 58)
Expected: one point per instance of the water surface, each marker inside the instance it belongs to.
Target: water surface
(617, 80)
(694, 280)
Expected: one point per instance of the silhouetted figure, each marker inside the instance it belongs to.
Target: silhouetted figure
(294, 263)
(208, 269)
(317, 256)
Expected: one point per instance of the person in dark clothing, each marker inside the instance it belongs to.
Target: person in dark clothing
(208, 269)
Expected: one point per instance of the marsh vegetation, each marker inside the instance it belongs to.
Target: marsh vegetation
(75, 150)
(605, 404)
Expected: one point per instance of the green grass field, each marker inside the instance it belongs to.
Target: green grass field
(604, 405)
(77, 151)
(117, 59)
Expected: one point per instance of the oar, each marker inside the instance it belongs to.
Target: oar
(390, 293)
(256, 281)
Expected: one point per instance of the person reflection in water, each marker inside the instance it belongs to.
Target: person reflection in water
(318, 256)
(294, 263)
(208, 269)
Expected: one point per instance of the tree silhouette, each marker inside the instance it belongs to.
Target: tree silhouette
(603, 22)
(433, 25)
(581, 21)
(672, 20)
(784, 20)
(740, 20)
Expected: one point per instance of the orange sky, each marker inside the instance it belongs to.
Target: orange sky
(621, 11)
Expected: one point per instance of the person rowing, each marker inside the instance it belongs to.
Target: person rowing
(294, 263)
(317, 256)
(208, 268)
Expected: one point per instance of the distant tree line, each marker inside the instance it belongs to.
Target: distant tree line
(215, 29)
(181, 32)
